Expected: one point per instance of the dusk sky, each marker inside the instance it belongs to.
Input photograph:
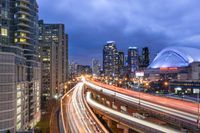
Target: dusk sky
(153, 23)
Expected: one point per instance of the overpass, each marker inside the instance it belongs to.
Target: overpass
(179, 113)
(77, 116)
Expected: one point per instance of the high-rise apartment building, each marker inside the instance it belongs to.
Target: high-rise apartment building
(121, 59)
(72, 70)
(110, 59)
(121, 64)
(133, 59)
(145, 57)
(19, 65)
(67, 58)
(96, 67)
(53, 56)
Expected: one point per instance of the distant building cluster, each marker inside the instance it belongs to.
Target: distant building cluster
(76, 70)
(179, 66)
(117, 64)
(96, 67)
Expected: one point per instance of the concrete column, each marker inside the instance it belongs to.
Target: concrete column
(108, 121)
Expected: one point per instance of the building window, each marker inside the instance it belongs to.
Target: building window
(4, 32)
(22, 34)
(22, 40)
(23, 16)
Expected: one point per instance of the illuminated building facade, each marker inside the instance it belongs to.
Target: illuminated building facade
(110, 60)
(53, 55)
(19, 66)
(133, 59)
(145, 59)
(177, 63)
(96, 67)
(84, 70)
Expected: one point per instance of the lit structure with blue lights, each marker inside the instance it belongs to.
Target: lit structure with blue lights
(176, 57)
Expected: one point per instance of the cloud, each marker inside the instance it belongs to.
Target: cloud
(90, 23)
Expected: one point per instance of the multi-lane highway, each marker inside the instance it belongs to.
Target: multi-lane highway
(151, 102)
(79, 117)
(189, 107)
(132, 121)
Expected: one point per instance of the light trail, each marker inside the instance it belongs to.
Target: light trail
(79, 118)
(185, 106)
(129, 99)
(120, 115)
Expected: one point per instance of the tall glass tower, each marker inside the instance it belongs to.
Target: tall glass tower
(110, 59)
(133, 59)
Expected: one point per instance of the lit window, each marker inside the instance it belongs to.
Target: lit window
(23, 34)
(23, 16)
(4, 32)
(16, 40)
(46, 59)
(22, 40)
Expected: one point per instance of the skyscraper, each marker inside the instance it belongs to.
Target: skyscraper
(110, 59)
(121, 59)
(145, 57)
(19, 65)
(67, 57)
(96, 67)
(121, 64)
(132, 59)
(53, 55)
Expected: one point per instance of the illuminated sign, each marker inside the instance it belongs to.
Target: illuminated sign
(139, 74)
(168, 68)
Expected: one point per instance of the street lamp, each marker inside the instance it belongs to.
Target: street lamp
(166, 83)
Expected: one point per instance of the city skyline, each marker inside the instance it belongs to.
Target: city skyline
(127, 23)
(99, 66)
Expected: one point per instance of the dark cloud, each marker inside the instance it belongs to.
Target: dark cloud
(90, 23)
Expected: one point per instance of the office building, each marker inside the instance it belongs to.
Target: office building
(96, 67)
(122, 66)
(67, 57)
(19, 66)
(121, 59)
(145, 59)
(110, 60)
(53, 56)
(72, 70)
(133, 59)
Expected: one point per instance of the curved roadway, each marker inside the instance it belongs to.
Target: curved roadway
(79, 118)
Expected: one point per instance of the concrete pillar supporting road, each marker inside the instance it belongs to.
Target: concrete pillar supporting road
(125, 129)
(108, 121)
